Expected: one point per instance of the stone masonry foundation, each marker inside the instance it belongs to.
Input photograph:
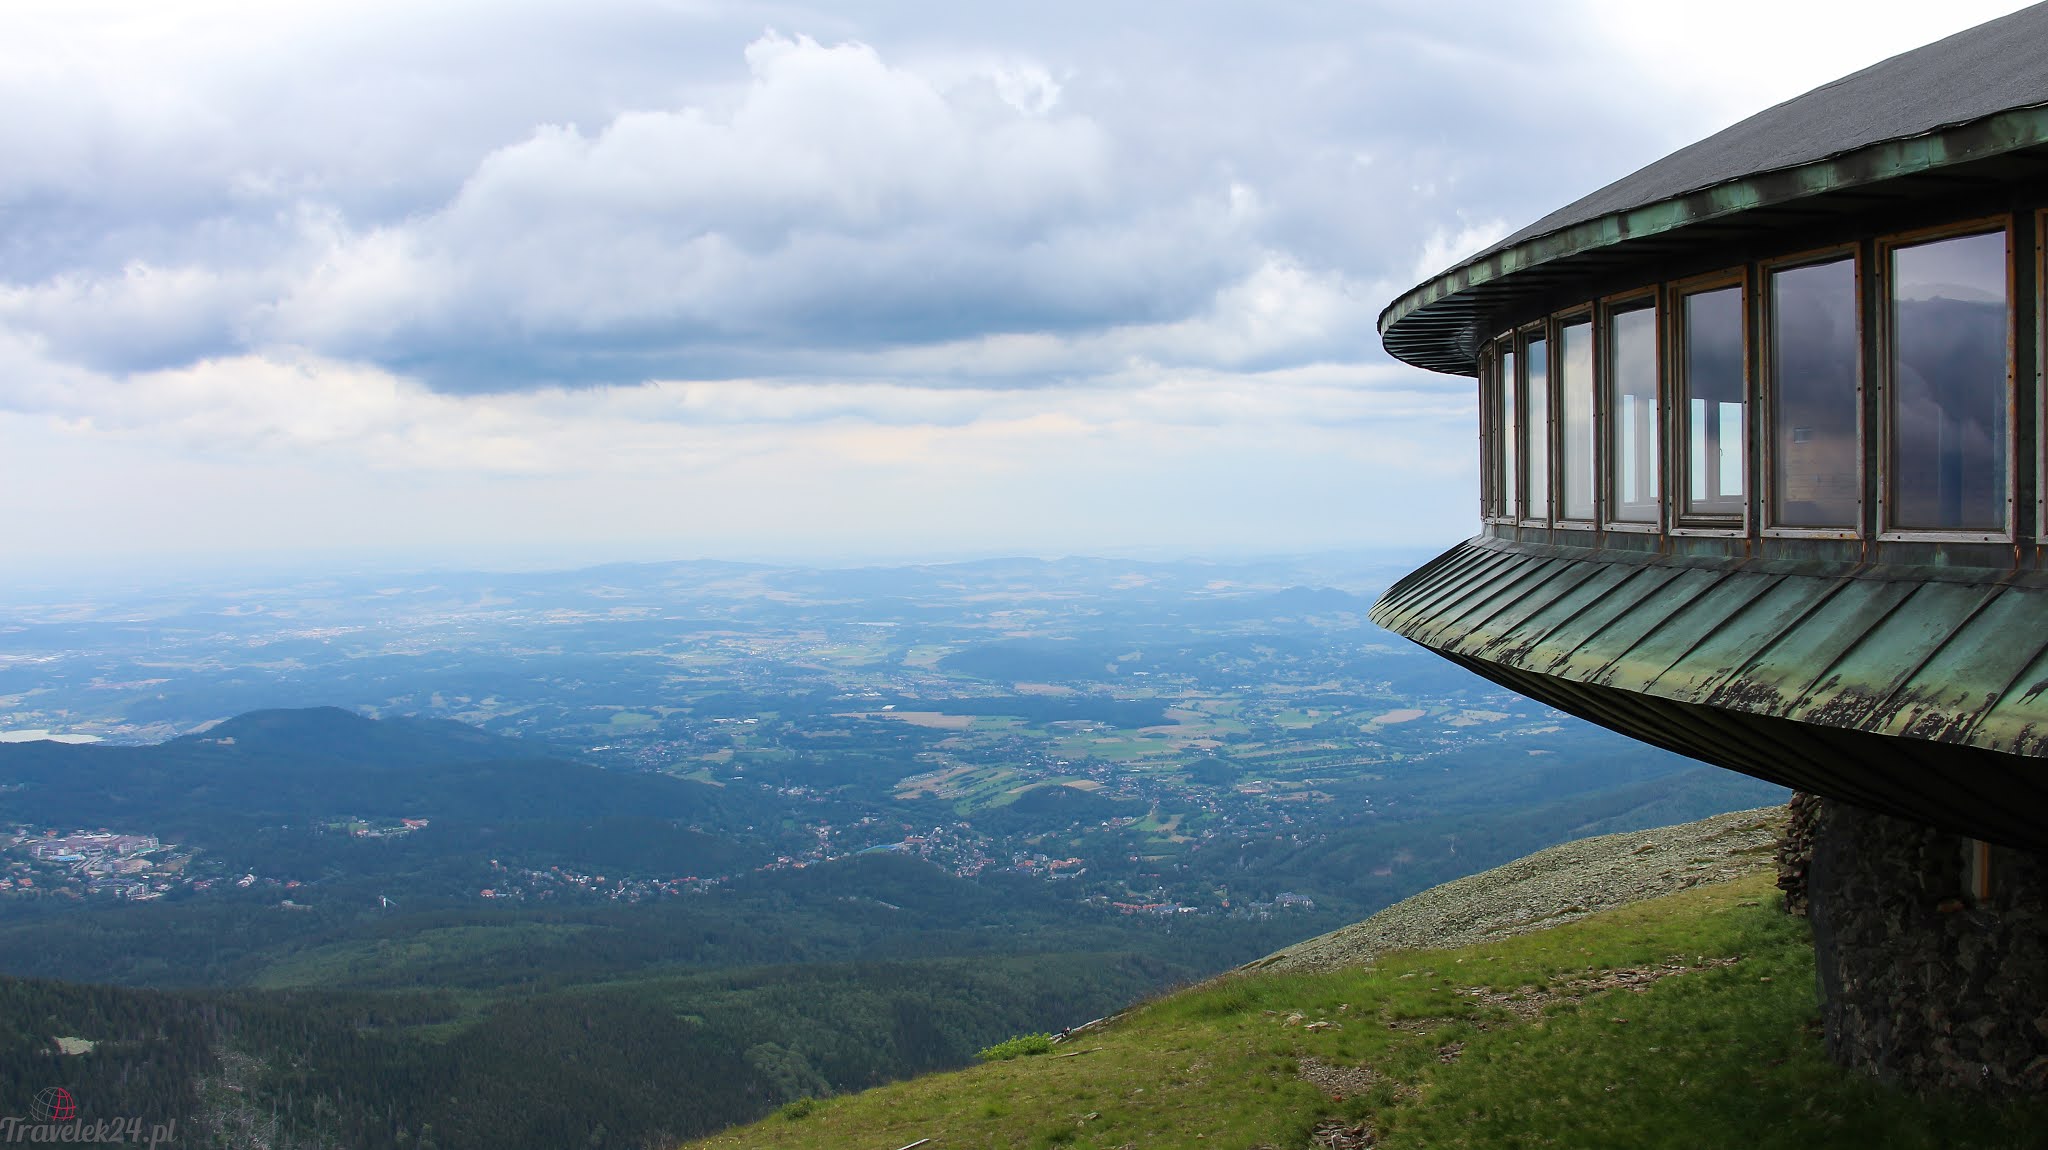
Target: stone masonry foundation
(1932, 951)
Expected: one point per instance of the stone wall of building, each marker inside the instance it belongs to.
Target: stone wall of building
(1923, 983)
(1795, 849)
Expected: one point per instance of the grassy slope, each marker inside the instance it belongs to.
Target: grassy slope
(1723, 1053)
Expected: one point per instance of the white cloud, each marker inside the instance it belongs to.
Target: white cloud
(1447, 248)
(642, 271)
(832, 200)
(311, 453)
(305, 406)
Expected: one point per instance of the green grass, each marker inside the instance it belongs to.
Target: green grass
(1725, 1053)
(797, 1110)
(1022, 1046)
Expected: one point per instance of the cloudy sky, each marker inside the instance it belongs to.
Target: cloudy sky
(514, 282)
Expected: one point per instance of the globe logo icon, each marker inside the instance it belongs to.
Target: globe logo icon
(55, 1104)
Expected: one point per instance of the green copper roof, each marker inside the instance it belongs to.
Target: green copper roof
(1919, 655)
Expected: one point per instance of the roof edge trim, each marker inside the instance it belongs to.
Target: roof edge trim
(2007, 131)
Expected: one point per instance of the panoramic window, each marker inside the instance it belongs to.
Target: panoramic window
(1948, 372)
(1814, 365)
(1508, 434)
(1536, 427)
(1714, 401)
(1632, 414)
(1575, 421)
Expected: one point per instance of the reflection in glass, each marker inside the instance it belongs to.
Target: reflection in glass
(1814, 364)
(1632, 419)
(1510, 421)
(1536, 442)
(1489, 430)
(1948, 385)
(1713, 390)
(1575, 421)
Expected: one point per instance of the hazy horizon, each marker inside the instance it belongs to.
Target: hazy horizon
(218, 571)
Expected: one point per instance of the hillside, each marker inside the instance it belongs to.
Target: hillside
(242, 780)
(323, 968)
(1549, 888)
(1686, 1019)
(598, 1065)
(376, 928)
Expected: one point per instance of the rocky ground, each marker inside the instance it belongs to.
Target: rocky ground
(1551, 887)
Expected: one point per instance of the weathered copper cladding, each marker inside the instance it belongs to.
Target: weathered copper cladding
(1922, 693)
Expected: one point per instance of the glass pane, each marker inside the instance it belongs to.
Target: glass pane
(1489, 447)
(1948, 372)
(1510, 442)
(1814, 360)
(1536, 437)
(1713, 402)
(1575, 416)
(1632, 426)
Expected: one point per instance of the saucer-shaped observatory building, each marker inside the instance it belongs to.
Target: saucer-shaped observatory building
(1763, 481)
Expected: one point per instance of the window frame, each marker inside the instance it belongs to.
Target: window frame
(1881, 374)
(1765, 498)
(1587, 314)
(2040, 413)
(1635, 299)
(1508, 504)
(1488, 376)
(1677, 450)
(1497, 508)
(1534, 330)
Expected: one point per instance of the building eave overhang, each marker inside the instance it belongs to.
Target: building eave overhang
(1922, 691)
(1436, 325)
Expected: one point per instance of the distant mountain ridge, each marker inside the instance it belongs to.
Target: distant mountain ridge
(344, 734)
(284, 764)
(255, 790)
